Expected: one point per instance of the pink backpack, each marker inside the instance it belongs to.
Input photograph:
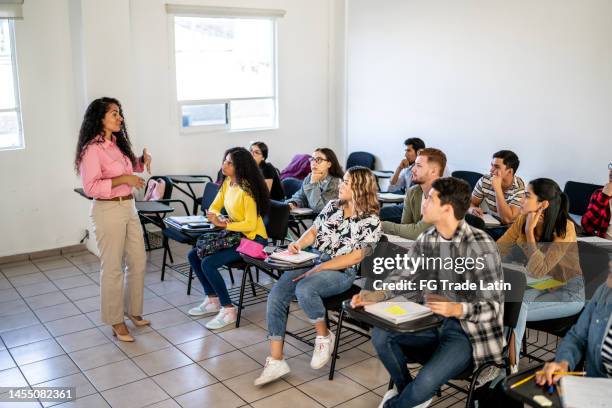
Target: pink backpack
(155, 190)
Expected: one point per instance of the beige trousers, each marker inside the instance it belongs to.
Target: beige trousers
(119, 235)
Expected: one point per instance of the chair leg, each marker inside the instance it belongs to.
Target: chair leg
(146, 238)
(163, 271)
(241, 299)
(468, 402)
(189, 279)
(336, 343)
(231, 274)
(251, 279)
(170, 254)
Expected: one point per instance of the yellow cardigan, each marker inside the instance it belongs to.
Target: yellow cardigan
(241, 209)
(558, 259)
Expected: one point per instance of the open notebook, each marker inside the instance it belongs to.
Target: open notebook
(298, 258)
(398, 310)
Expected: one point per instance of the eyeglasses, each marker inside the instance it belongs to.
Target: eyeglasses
(257, 152)
(317, 160)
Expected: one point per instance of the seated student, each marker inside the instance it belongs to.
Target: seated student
(428, 167)
(402, 179)
(472, 330)
(502, 190)
(544, 219)
(259, 150)
(244, 195)
(590, 339)
(596, 219)
(343, 233)
(321, 185)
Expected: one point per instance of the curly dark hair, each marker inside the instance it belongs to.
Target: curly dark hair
(249, 177)
(92, 127)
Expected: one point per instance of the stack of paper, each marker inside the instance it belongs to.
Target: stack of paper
(581, 392)
(302, 211)
(390, 196)
(398, 312)
(187, 219)
(490, 220)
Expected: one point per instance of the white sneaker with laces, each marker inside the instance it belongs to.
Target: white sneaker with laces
(225, 317)
(273, 370)
(388, 395)
(209, 306)
(322, 350)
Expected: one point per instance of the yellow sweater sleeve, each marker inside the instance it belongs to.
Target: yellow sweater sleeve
(217, 203)
(249, 223)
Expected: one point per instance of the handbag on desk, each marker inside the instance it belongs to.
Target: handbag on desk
(216, 241)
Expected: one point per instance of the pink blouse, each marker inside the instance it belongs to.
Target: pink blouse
(100, 163)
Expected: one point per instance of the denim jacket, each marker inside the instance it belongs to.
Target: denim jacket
(316, 195)
(585, 338)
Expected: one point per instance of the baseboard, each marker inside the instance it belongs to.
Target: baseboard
(70, 249)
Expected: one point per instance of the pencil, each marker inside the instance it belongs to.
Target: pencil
(523, 381)
(565, 372)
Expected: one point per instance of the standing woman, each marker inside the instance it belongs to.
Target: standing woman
(106, 163)
(321, 185)
(244, 195)
(259, 150)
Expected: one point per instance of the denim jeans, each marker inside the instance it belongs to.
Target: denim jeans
(544, 305)
(207, 270)
(445, 352)
(392, 213)
(310, 292)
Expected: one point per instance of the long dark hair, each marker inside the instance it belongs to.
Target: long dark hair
(249, 177)
(556, 215)
(92, 127)
(336, 169)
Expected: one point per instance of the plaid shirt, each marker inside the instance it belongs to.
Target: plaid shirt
(596, 219)
(482, 318)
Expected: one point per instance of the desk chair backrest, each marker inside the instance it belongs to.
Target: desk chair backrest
(209, 194)
(594, 265)
(471, 177)
(579, 195)
(512, 305)
(364, 159)
(291, 185)
(277, 221)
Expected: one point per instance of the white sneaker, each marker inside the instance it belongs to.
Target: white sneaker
(208, 307)
(273, 370)
(514, 368)
(225, 317)
(388, 395)
(322, 350)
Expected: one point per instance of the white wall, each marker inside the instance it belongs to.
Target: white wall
(73, 51)
(475, 76)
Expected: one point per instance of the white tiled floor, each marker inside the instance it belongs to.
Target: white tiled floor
(51, 334)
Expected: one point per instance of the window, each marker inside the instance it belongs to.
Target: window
(225, 71)
(11, 132)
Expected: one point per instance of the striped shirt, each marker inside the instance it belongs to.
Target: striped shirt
(606, 352)
(513, 195)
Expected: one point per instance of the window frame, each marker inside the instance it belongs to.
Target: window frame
(17, 108)
(227, 128)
